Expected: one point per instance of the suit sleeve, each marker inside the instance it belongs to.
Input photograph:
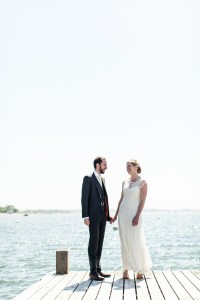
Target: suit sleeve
(85, 196)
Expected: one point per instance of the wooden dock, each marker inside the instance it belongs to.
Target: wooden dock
(156, 285)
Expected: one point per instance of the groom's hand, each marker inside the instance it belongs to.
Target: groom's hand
(111, 220)
(87, 221)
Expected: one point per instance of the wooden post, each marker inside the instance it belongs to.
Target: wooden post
(62, 266)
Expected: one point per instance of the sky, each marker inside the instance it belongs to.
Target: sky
(114, 78)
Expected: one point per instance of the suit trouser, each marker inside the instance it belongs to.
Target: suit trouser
(97, 231)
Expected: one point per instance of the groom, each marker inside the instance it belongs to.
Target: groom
(95, 211)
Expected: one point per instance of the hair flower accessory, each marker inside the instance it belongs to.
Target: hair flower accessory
(134, 161)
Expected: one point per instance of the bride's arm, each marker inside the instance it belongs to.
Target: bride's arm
(143, 194)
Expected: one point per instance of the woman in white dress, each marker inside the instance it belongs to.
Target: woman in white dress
(135, 255)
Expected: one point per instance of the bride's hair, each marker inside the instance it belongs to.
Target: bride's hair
(135, 163)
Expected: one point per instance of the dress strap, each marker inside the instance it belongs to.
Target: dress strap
(141, 183)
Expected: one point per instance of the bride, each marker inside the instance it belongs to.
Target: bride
(135, 255)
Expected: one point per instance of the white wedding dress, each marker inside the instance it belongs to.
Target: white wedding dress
(135, 255)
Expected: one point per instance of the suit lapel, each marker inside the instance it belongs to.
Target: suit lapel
(98, 186)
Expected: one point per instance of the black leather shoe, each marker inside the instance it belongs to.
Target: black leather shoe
(96, 277)
(104, 275)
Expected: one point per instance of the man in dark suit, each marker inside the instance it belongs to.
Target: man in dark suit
(95, 211)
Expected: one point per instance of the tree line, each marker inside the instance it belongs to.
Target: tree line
(8, 209)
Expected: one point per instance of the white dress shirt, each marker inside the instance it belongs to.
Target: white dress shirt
(98, 176)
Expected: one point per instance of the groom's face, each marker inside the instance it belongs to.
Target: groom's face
(103, 166)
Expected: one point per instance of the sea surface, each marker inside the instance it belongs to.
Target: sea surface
(28, 245)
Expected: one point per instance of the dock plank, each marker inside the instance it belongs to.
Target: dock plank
(106, 288)
(47, 288)
(196, 273)
(164, 285)
(26, 294)
(93, 291)
(177, 286)
(129, 287)
(60, 286)
(193, 279)
(72, 286)
(188, 286)
(117, 288)
(82, 288)
(156, 285)
(153, 287)
(142, 290)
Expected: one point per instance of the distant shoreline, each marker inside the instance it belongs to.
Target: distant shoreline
(50, 211)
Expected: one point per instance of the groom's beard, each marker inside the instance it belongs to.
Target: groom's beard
(101, 171)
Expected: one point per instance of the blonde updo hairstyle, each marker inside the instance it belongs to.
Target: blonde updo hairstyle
(135, 163)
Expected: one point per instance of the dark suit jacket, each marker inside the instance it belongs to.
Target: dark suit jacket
(92, 197)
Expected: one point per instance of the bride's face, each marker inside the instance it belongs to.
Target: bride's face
(131, 169)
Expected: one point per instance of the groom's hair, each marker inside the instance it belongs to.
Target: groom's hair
(98, 160)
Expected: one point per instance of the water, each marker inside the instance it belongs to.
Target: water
(28, 245)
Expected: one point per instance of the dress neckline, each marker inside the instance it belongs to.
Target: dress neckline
(134, 181)
(132, 184)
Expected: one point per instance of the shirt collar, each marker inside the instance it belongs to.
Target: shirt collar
(97, 174)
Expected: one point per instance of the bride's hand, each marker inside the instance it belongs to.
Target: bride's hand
(135, 221)
(114, 219)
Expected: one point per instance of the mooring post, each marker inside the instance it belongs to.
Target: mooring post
(62, 264)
